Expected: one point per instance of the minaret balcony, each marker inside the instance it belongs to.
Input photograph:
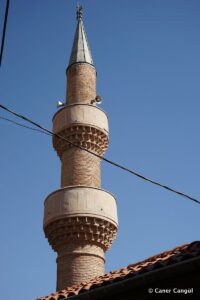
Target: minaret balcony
(82, 124)
(84, 114)
(80, 213)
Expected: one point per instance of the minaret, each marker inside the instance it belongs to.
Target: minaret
(80, 219)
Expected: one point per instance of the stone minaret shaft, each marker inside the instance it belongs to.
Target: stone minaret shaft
(80, 219)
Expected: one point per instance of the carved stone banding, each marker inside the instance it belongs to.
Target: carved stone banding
(90, 138)
(93, 230)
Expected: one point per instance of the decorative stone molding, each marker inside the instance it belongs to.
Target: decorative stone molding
(90, 138)
(94, 230)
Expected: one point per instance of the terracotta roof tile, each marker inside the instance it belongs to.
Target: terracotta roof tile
(181, 253)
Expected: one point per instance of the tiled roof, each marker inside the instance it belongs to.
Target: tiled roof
(178, 254)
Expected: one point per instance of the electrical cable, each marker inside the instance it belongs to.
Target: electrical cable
(4, 30)
(101, 157)
(22, 125)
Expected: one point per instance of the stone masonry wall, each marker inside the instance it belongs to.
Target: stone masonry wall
(81, 83)
(80, 168)
(78, 263)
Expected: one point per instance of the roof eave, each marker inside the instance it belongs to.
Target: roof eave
(147, 279)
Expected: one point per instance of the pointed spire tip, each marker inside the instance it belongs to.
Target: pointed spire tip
(79, 12)
(80, 50)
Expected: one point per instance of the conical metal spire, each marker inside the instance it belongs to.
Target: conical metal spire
(80, 50)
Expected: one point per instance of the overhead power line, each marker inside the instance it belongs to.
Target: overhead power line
(24, 126)
(4, 30)
(44, 130)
